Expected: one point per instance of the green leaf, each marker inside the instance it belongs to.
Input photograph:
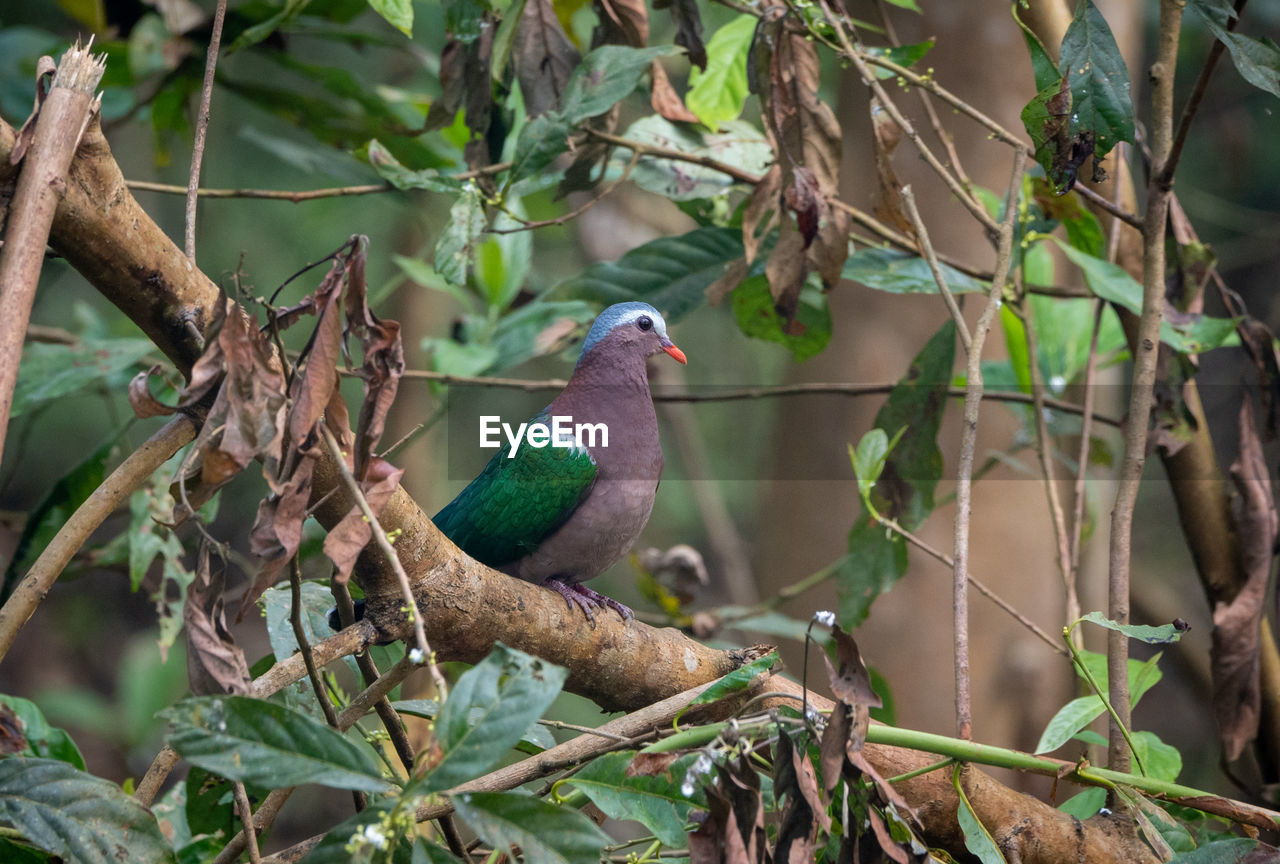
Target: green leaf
(805, 336)
(1042, 65)
(903, 55)
(1085, 804)
(255, 34)
(907, 4)
(716, 95)
(1098, 80)
(75, 815)
(390, 169)
(876, 560)
(49, 372)
(502, 260)
(1195, 334)
(1162, 635)
(455, 248)
(740, 145)
(537, 329)
(536, 739)
(1257, 60)
(399, 13)
(1071, 718)
(1228, 851)
(654, 801)
(48, 517)
(899, 273)
(670, 273)
(541, 140)
(260, 742)
(511, 689)
(545, 832)
(916, 403)
(977, 839)
(870, 457)
(43, 739)
(607, 75)
(12, 853)
(1161, 761)
(735, 682)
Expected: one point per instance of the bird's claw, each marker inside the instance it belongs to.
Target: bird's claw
(576, 594)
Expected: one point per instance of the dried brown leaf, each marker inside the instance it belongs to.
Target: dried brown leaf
(688, 28)
(764, 201)
(277, 529)
(622, 22)
(1235, 660)
(215, 664)
(835, 738)
(786, 269)
(890, 848)
(453, 62)
(650, 764)
(145, 405)
(888, 200)
(665, 100)
(804, 199)
(543, 57)
(803, 812)
(12, 738)
(589, 152)
(345, 542)
(728, 281)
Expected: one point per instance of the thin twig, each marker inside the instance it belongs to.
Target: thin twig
(1044, 452)
(263, 818)
(530, 225)
(246, 819)
(944, 137)
(1145, 354)
(982, 587)
(926, 252)
(968, 445)
(202, 126)
(304, 645)
(1082, 459)
(859, 60)
(1104, 203)
(101, 503)
(380, 537)
(378, 689)
(676, 155)
(1197, 94)
(736, 394)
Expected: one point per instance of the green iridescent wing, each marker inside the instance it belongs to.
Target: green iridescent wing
(513, 504)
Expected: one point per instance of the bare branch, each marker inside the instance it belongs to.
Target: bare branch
(202, 130)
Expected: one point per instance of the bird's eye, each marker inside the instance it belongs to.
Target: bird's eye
(644, 322)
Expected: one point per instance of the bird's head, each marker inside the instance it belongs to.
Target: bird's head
(631, 327)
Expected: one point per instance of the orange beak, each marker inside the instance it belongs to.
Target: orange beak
(675, 352)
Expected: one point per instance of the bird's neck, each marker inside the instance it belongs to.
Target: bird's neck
(607, 389)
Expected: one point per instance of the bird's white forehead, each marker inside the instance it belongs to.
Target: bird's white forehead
(632, 315)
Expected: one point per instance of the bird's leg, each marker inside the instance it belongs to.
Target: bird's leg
(577, 594)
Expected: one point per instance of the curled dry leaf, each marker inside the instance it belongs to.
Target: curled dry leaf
(145, 405)
(650, 764)
(764, 201)
(622, 22)
(12, 738)
(665, 100)
(1235, 660)
(888, 202)
(804, 811)
(215, 664)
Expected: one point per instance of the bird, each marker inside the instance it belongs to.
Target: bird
(560, 515)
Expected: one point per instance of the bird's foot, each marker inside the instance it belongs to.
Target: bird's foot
(576, 594)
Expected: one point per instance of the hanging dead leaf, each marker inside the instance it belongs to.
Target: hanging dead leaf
(763, 202)
(349, 537)
(453, 61)
(650, 764)
(622, 22)
(888, 200)
(12, 738)
(803, 813)
(215, 664)
(688, 28)
(665, 100)
(728, 281)
(543, 57)
(786, 269)
(1234, 655)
